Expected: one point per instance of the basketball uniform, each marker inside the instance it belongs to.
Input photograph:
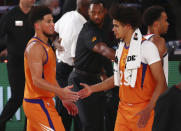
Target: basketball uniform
(165, 58)
(38, 104)
(134, 100)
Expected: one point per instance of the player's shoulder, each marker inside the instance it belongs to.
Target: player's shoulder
(156, 39)
(147, 43)
(33, 46)
(148, 46)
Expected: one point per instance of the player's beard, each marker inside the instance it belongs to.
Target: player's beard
(47, 35)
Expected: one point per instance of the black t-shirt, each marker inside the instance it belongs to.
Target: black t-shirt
(85, 58)
(15, 26)
(168, 111)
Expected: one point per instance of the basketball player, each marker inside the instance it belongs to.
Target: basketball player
(140, 86)
(40, 74)
(155, 18)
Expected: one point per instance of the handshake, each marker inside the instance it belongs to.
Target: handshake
(69, 97)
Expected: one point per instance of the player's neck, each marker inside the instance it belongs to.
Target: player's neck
(128, 37)
(42, 37)
(153, 31)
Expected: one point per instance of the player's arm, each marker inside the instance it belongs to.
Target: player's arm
(36, 56)
(88, 90)
(104, 50)
(70, 106)
(150, 52)
(158, 74)
(161, 86)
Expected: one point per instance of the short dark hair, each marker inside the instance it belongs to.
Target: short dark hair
(97, 2)
(152, 14)
(37, 13)
(126, 15)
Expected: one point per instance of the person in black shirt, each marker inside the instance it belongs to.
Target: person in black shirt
(16, 28)
(90, 54)
(168, 109)
(68, 5)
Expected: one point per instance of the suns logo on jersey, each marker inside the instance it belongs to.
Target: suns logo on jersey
(123, 61)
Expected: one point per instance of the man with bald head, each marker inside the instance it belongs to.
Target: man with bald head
(68, 27)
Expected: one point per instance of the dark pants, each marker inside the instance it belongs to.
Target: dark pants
(17, 83)
(91, 109)
(112, 100)
(63, 71)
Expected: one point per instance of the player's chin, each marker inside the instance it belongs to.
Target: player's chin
(166, 29)
(51, 32)
(117, 36)
(165, 32)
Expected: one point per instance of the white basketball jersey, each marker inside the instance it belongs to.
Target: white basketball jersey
(165, 58)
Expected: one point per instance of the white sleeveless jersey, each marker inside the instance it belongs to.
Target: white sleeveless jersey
(165, 58)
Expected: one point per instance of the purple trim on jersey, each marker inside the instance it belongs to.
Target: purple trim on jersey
(126, 47)
(30, 43)
(43, 75)
(33, 41)
(143, 74)
(43, 48)
(45, 52)
(46, 55)
(39, 101)
(41, 41)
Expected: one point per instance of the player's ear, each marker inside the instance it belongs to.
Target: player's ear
(128, 26)
(156, 24)
(37, 25)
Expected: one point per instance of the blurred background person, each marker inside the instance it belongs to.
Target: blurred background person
(55, 7)
(155, 18)
(16, 29)
(168, 109)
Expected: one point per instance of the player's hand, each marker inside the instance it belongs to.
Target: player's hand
(85, 92)
(57, 44)
(68, 95)
(144, 117)
(71, 108)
